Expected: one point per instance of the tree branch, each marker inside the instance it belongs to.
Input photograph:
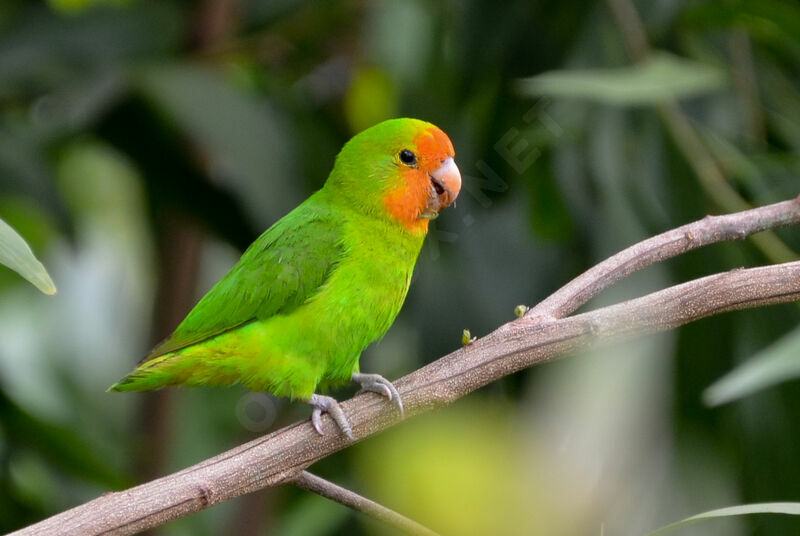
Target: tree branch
(283, 455)
(320, 486)
(707, 231)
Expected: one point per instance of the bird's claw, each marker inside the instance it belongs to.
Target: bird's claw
(326, 404)
(376, 383)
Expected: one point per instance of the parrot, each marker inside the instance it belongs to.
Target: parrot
(305, 299)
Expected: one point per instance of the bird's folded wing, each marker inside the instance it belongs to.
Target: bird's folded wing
(283, 268)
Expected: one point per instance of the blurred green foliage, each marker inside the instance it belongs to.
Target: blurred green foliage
(145, 143)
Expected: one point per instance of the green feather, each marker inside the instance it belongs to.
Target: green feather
(309, 294)
(278, 272)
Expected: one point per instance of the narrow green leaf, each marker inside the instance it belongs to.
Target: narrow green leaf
(777, 363)
(661, 78)
(791, 508)
(17, 255)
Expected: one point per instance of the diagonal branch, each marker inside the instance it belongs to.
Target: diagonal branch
(283, 455)
(709, 230)
(320, 486)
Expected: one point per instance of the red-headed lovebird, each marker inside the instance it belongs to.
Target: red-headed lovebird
(326, 280)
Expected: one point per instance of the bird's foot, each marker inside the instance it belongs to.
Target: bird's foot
(378, 384)
(326, 404)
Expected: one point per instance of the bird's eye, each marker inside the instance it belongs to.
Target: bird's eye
(407, 157)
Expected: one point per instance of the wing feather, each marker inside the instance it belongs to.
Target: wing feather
(281, 270)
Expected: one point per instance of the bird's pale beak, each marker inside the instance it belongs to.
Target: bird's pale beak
(445, 185)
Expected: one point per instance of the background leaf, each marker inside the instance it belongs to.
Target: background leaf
(745, 509)
(779, 362)
(17, 255)
(661, 78)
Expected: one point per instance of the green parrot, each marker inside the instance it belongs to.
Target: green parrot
(322, 283)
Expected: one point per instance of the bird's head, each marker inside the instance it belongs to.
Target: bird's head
(402, 169)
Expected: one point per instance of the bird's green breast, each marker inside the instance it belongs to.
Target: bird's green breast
(367, 289)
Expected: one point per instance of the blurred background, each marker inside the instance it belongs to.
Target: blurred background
(145, 143)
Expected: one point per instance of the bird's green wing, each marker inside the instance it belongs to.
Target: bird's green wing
(282, 269)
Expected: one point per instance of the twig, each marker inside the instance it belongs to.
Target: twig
(336, 493)
(282, 455)
(688, 140)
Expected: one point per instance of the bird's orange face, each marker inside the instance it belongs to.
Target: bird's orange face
(430, 180)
